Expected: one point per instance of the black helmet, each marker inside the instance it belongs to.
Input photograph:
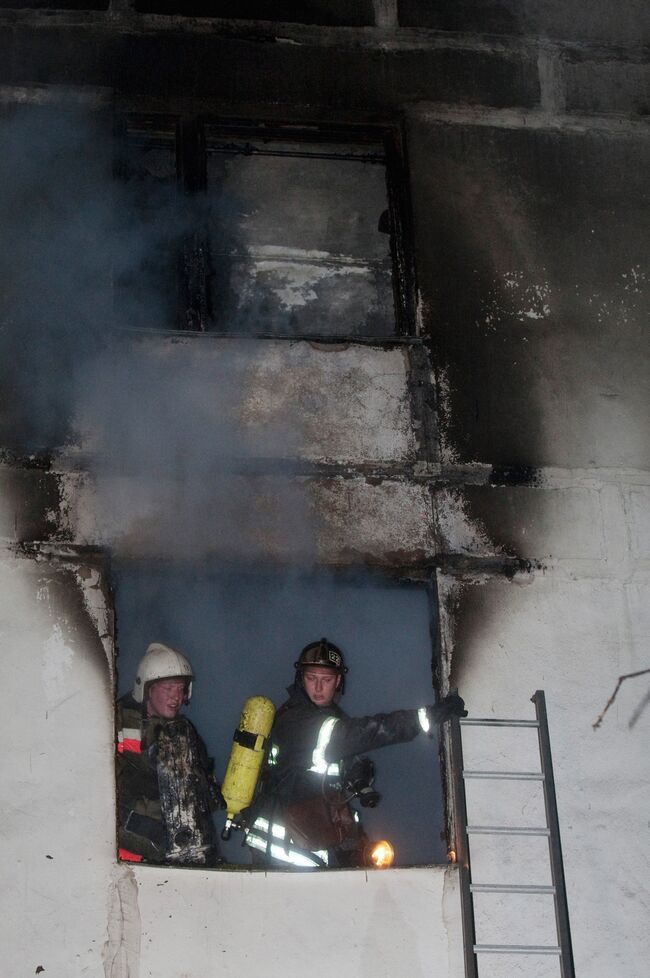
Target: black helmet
(321, 653)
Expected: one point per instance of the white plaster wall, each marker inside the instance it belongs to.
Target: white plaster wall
(349, 923)
(572, 635)
(57, 830)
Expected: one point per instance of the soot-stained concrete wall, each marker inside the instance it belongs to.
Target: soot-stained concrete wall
(627, 24)
(530, 239)
(534, 279)
(259, 450)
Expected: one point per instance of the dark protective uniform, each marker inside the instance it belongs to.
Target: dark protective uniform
(166, 790)
(302, 817)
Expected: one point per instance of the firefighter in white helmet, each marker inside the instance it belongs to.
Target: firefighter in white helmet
(166, 790)
(302, 818)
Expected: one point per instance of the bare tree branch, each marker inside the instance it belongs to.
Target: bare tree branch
(639, 709)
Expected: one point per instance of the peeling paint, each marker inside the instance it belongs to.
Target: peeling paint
(622, 304)
(97, 603)
(449, 594)
(635, 278)
(297, 279)
(422, 312)
(449, 454)
(457, 532)
(514, 298)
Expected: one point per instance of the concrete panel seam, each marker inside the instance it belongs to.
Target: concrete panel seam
(535, 119)
(551, 81)
(122, 18)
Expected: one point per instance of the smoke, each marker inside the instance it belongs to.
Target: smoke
(165, 425)
(55, 287)
(179, 467)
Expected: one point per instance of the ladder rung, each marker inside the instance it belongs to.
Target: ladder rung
(515, 949)
(510, 888)
(505, 830)
(472, 722)
(505, 775)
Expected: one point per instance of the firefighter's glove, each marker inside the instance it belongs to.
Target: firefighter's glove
(359, 779)
(369, 798)
(449, 706)
(452, 705)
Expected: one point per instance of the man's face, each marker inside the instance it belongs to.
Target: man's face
(165, 698)
(320, 684)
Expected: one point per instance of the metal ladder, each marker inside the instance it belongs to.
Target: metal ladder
(468, 886)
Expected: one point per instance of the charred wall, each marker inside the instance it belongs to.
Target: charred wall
(626, 25)
(530, 263)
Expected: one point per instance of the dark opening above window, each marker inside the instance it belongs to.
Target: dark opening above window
(284, 233)
(333, 13)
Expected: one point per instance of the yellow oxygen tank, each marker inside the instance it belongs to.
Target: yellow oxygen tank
(246, 756)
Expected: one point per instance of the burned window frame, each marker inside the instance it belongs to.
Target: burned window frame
(187, 136)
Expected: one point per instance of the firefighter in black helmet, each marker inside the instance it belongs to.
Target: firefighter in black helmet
(325, 655)
(303, 818)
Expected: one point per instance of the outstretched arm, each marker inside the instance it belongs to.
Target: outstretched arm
(346, 736)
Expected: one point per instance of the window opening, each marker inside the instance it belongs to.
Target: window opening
(242, 633)
(268, 232)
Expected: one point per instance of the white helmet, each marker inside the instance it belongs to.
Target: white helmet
(161, 662)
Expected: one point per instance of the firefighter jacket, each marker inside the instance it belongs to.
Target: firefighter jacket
(165, 788)
(302, 817)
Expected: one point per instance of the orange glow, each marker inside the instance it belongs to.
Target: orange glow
(451, 855)
(382, 855)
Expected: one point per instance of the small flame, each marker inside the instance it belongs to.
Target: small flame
(382, 855)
